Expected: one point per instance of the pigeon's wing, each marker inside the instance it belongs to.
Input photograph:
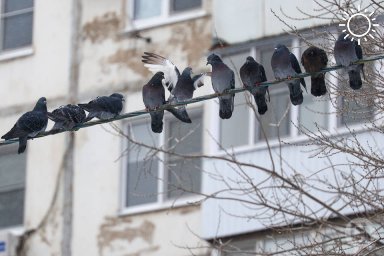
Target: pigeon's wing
(296, 66)
(198, 80)
(324, 58)
(156, 63)
(32, 121)
(263, 76)
(359, 51)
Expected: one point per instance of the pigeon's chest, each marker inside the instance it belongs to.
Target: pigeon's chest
(345, 53)
(153, 96)
(282, 67)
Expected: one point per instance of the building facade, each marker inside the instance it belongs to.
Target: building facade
(98, 191)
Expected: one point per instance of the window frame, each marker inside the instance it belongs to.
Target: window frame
(17, 52)
(162, 202)
(333, 120)
(166, 16)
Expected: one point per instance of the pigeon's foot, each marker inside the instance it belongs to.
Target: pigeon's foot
(289, 77)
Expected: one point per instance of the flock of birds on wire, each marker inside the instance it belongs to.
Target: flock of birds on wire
(182, 86)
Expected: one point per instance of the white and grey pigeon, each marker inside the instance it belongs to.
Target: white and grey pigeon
(347, 51)
(29, 125)
(154, 97)
(66, 117)
(223, 79)
(181, 86)
(252, 74)
(285, 65)
(104, 107)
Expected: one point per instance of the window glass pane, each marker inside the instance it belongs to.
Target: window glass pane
(275, 121)
(14, 5)
(142, 183)
(182, 5)
(184, 175)
(17, 31)
(235, 131)
(313, 111)
(142, 169)
(147, 8)
(12, 184)
(354, 106)
(12, 171)
(11, 208)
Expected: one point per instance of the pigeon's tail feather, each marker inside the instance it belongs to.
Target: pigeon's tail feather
(22, 145)
(181, 114)
(226, 108)
(355, 79)
(157, 121)
(295, 93)
(11, 134)
(318, 87)
(261, 103)
(84, 106)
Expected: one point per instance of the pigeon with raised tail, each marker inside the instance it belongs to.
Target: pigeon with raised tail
(104, 107)
(67, 117)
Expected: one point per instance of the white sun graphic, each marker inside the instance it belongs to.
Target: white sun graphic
(362, 16)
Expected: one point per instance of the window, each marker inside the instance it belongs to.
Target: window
(152, 177)
(149, 13)
(12, 188)
(16, 24)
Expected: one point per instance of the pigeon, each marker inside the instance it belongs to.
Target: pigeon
(251, 74)
(29, 125)
(314, 59)
(154, 97)
(347, 51)
(181, 86)
(67, 117)
(223, 79)
(104, 107)
(285, 65)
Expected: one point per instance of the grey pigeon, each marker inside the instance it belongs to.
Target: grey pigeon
(29, 125)
(181, 86)
(314, 59)
(285, 65)
(66, 117)
(223, 79)
(104, 107)
(347, 51)
(252, 74)
(154, 97)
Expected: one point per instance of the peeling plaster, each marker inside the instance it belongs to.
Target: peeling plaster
(114, 229)
(129, 58)
(101, 28)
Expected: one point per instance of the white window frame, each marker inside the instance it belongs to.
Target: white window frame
(162, 201)
(166, 16)
(13, 53)
(333, 124)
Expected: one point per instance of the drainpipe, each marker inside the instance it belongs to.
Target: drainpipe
(68, 177)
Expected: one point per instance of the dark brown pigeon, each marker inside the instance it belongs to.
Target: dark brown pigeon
(181, 86)
(314, 59)
(154, 97)
(285, 65)
(29, 125)
(252, 74)
(223, 79)
(346, 52)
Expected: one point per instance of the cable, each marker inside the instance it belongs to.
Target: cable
(193, 100)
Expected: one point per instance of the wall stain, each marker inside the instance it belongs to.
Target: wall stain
(114, 229)
(194, 38)
(128, 58)
(102, 27)
(144, 251)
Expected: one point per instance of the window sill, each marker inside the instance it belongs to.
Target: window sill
(17, 53)
(140, 25)
(154, 207)
(273, 143)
